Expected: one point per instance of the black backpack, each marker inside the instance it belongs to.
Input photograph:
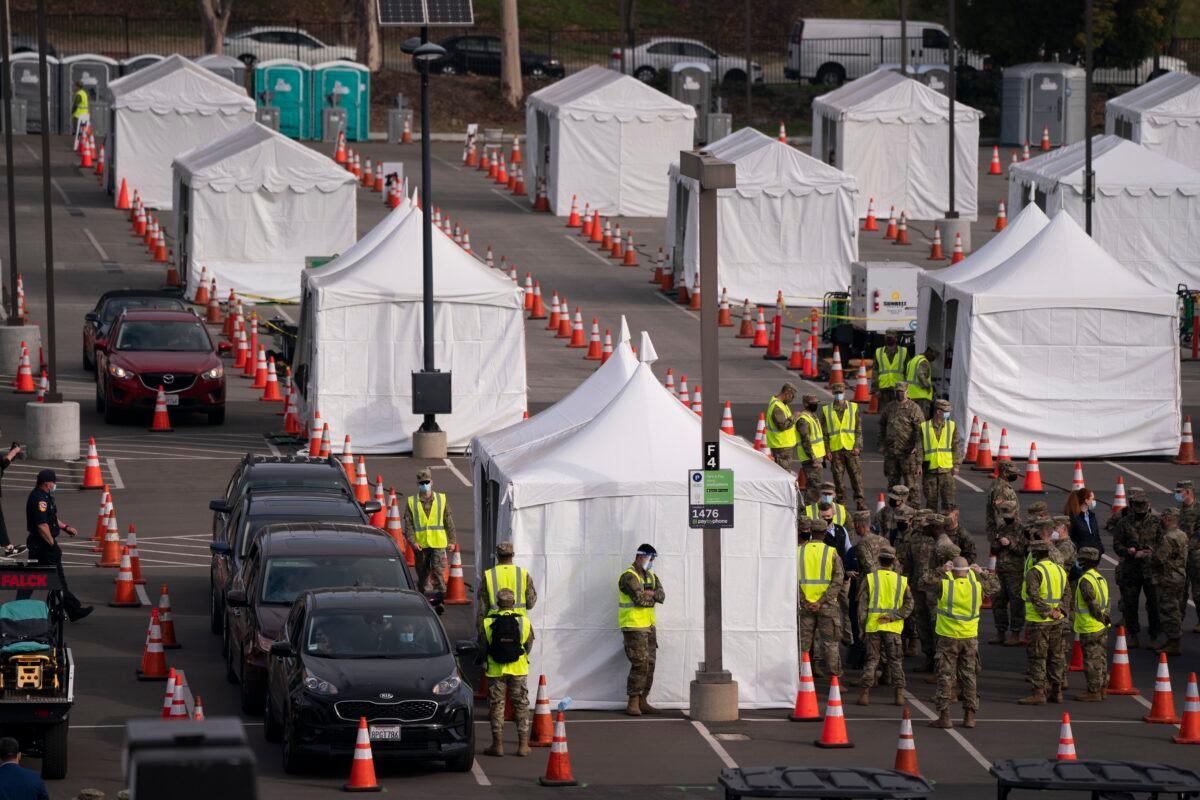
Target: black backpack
(505, 646)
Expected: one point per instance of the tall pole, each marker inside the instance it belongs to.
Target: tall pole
(430, 422)
(953, 57)
(52, 396)
(6, 79)
(903, 39)
(749, 84)
(1089, 176)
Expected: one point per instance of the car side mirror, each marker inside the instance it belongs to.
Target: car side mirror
(224, 347)
(235, 598)
(220, 548)
(372, 506)
(92, 316)
(282, 649)
(465, 648)
(219, 506)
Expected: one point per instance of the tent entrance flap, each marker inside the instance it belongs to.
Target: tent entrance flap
(683, 200)
(942, 366)
(543, 153)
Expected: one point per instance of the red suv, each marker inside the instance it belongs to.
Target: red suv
(152, 348)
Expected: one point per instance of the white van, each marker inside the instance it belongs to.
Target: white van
(832, 51)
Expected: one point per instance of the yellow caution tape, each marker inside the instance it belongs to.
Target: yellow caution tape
(262, 323)
(273, 300)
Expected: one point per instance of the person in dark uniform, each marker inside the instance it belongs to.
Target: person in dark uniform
(41, 520)
(7, 548)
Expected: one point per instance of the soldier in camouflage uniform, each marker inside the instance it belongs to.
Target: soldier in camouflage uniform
(889, 368)
(880, 626)
(1189, 523)
(510, 679)
(1168, 570)
(1007, 541)
(885, 518)
(899, 430)
(939, 468)
(842, 424)
(1063, 553)
(1091, 611)
(780, 426)
(1038, 510)
(1000, 490)
(869, 543)
(916, 556)
(1135, 533)
(958, 534)
(1044, 650)
(812, 462)
(638, 591)
(818, 621)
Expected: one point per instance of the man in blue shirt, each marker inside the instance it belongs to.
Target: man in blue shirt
(16, 782)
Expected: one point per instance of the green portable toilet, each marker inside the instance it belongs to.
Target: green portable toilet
(350, 84)
(288, 83)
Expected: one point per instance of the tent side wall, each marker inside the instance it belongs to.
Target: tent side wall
(647, 150)
(876, 155)
(1176, 139)
(584, 162)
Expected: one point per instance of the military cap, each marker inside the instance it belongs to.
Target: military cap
(1007, 505)
(1038, 507)
(837, 387)
(904, 512)
(1170, 511)
(810, 400)
(646, 550)
(1061, 519)
(1089, 554)
(505, 598)
(827, 485)
(504, 549)
(887, 554)
(803, 524)
(1184, 485)
(933, 351)
(900, 385)
(1040, 545)
(1007, 468)
(934, 518)
(787, 386)
(424, 474)
(946, 549)
(862, 516)
(1138, 495)
(898, 492)
(942, 405)
(1042, 525)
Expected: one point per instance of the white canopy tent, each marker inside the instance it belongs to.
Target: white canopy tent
(360, 339)
(606, 138)
(163, 111)
(1147, 208)
(790, 224)
(1162, 115)
(1064, 346)
(890, 132)
(252, 204)
(576, 507)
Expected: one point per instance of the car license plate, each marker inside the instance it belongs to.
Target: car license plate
(384, 733)
(172, 399)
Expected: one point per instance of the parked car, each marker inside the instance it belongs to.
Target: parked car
(345, 654)
(286, 560)
(646, 61)
(23, 43)
(97, 321)
(146, 349)
(254, 512)
(829, 52)
(280, 41)
(277, 473)
(481, 55)
(1136, 76)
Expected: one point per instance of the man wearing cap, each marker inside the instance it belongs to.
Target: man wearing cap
(1000, 490)
(781, 426)
(959, 534)
(884, 601)
(885, 518)
(638, 591)
(810, 447)
(939, 451)
(899, 432)
(890, 363)
(843, 440)
(868, 544)
(819, 579)
(1135, 536)
(1189, 523)
(1038, 510)
(505, 676)
(1168, 570)
(916, 556)
(1045, 586)
(505, 575)
(813, 509)
(429, 529)
(919, 377)
(1091, 625)
(43, 526)
(1008, 542)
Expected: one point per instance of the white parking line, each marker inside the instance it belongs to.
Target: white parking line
(143, 598)
(717, 747)
(966, 482)
(1138, 475)
(669, 301)
(96, 245)
(958, 737)
(115, 474)
(603, 259)
(450, 465)
(58, 188)
(477, 772)
(516, 203)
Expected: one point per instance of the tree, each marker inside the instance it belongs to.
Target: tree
(510, 54)
(214, 18)
(366, 19)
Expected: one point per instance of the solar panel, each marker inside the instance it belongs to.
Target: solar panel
(426, 12)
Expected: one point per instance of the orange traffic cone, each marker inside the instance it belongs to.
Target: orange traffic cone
(314, 436)
(833, 734)
(178, 704)
(906, 748)
(1189, 731)
(775, 343)
(1003, 455)
(271, 385)
(1066, 740)
(760, 331)
(782, 133)
(542, 732)
(983, 461)
(589, 221)
(166, 620)
(577, 341)
(724, 315)
(1162, 708)
(972, 442)
(1001, 219)
(102, 516)
(564, 320)
(558, 768)
(260, 369)
(607, 352)
(25, 383)
(1187, 447)
(890, 231)
(1033, 474)
(291, 423)
(198, 712)
(392, 523)
(347, 460)
(697, 404)
(527, 297)
(1025, 151)
(669, 383)
(1120, 681)
(514, 156)
(935, 252)
(870, 223)
(92, 477)
(629, 257)
(538, 310)
(202, 287)
(594, 352)
(573, 220)
(362, 768)
(1045, 138)
(456, 587)
(169, 694)
(555, 314)
(902, 234)
(379, 518)
(605, 236)
(154, 660)
(110, 547)
(746, 331)
(123, 197)
(691, 298)
(994, 167)
(212, 314)
(1119, 494)
(1077, 477)
(862, 387)
(684, 393)
(727, 419)
(135, 560)
(123, 593)
(339, 154)
(161, 421)
(806, 708)
(760, 433)
(835, 370)
(796, 360)
(1076, 664)
(362, 489)
(957, 255)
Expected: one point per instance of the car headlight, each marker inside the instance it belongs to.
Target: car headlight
(119, 372)
(554, 62)
(448, 685)
(318, 685)
(216, 372)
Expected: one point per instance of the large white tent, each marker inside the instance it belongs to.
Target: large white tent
(577, 506)
(891, 133)
(606, 138)
(790, 224)
(1064, 346)
(252, 204)
(1163, 115)
(163, 111)
(361, 339)
(1147, 208)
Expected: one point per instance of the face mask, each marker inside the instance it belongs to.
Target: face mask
(1141, 512)
(828, 524)
(1179, 498)
(406, 637)
(811, 409)
(424, 486)
(1054, 536)
(1009, 520)
(1092, 503)
(828, 498)
(53, 488)
(839, 397)
(893, 503)
(901, 526)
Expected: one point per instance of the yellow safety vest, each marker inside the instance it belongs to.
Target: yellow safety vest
(777, 439)
(939, 453)
(505, 576)
(521, 665)
(629, 614)
(814, 436)
(841, 429)
(839, 513)
(1054, 578)
(429, 529)
(914, 391)
(890, 370)
(1085, 622)
(885, 593)
(81, 104)
(814, 569)
(958, 607)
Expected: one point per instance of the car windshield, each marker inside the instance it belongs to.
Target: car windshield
(331, 512)
(285, 577)
(374, 634)
(164, 335)
(116, 305)
(325, 483)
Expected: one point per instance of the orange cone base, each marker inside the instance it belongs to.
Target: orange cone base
(131, 604)
(141, 676)
(543, 782)
(813, 718)
(1122, 692)
(348, 788)
(1163, 720)
(835, 746)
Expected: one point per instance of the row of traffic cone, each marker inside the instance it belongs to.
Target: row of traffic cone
(593, 228)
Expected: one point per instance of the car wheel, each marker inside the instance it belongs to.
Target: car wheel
(293, 761)
(272, 730)
(248, 59)
(112, 414)
(252, 702)
(735, 76)
(88, 366)
(217, 417)
(462, 763)
(830, 75)
(227, 647)
(644, 74)
(99, 399)
(216, 614)
(54, 752)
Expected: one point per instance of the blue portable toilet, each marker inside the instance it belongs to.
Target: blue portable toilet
(287, 82)
(134, 63)
(350, 84)
(95, 72)
(25, 85)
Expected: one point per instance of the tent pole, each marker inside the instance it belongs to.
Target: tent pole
(430, 422)
(950, 212)
(5, 54)
(1089, 176)
(52, 396)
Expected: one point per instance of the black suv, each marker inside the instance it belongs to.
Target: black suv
(98, 321)
(481, 56)
(270, 473)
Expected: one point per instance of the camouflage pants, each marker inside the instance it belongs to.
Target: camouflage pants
(641, 648)
(939, 490)
(1008, 609)
(819, 635)
(1045, 655)
(431, 569)
(922, 618)
(1066, 642)
(846, 467)
(1170, 595)
(885, 647)
(814, 474)
(782, 456)
(957, 670)
(518, 695)
(1193, 573)
(900, 469)
(1095, 659)
(1132, 583)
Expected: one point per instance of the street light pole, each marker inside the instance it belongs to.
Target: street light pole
(52, 396)
(952, 88)
(1089, 176)
(430, 422)
(6, 78)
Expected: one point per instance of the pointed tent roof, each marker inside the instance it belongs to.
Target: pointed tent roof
(1121, 167)
(998, 249)
(768, 166)
(888, 96)
(177, 85)
(254, 157)
(1171, 97)
(1062, 267)
(602, 94)
(641, 444)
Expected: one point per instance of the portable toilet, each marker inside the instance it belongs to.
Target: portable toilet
(285, 84)
(1041, 96)
(134, 63)
(95, 72)
(228, 67)
(27, 87)
(342, 84)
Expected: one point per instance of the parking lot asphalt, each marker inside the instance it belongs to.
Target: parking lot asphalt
(164, 481)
